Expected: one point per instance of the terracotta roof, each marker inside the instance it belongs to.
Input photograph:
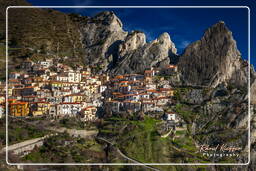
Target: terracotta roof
(148, 103)
(70, 103)
(74, 95)
(89, 107)
(17, 103)
(153, 91)
(31, 96)
(39, 102)
(13, 80)
(30, 87)
(11, 99)
(171, 66)
(119, 76)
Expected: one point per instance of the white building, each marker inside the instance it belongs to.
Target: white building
(170, 116)
(46, 64)
(102, 88)
(53, 111)
(68, 109)
(74, 76)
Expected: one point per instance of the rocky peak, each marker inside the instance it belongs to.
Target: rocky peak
(220, 35)
(109, 18)
(134, 40)
(213, 59)
(101, 36)
(165, 40)
(136, 55)
(219, 27)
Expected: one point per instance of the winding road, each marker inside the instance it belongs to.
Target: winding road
(125, 156)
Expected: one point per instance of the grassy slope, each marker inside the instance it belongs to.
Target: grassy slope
(140, 141)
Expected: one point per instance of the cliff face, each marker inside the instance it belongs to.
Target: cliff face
(135, 55)
(213, 59)
(101, 36)
(253, 93)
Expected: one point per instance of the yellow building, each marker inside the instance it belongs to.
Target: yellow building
(40, 108)
(9, 91)
(19, 109)
(74, 98)
(56, 84)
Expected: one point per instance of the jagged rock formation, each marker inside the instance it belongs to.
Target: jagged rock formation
(101, 36)
(213, 59)
(144, 55)
(133, 41)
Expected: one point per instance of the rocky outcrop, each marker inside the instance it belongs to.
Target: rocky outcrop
(108, 47)
(213, 59)
(133, 41)
(101, 36)
(144, 55)
(253, 93)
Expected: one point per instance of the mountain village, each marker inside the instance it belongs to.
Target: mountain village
(49, 88)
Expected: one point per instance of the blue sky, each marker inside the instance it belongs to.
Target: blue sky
(183, 25)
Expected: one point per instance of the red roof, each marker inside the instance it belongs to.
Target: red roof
(89, 107)
(17, 103)
(171, 66)
(39, 102)
(70, 103)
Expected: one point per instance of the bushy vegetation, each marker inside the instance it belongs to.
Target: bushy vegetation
(63, 148)
(71, 123)
(19, 131)
(185, 112)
